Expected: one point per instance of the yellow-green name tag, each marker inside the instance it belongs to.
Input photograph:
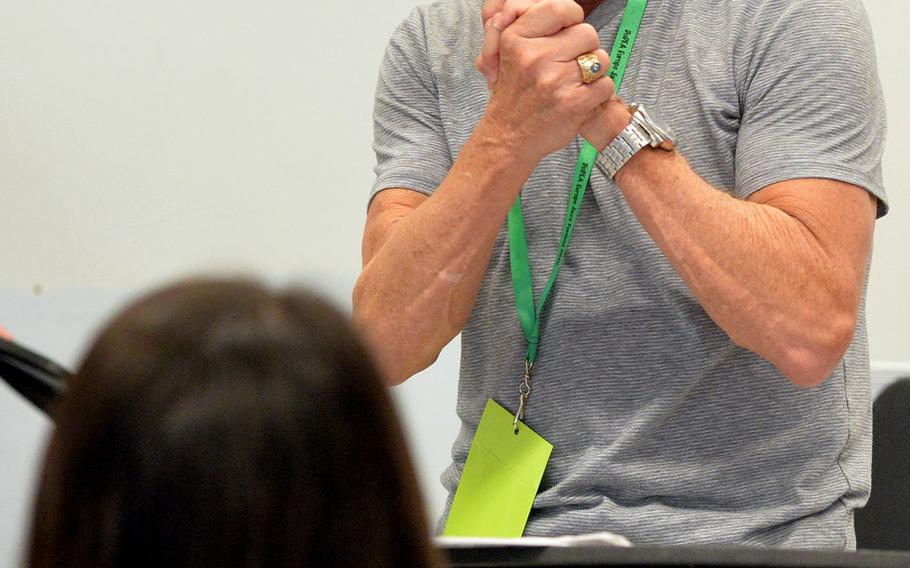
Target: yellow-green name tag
(500, 478)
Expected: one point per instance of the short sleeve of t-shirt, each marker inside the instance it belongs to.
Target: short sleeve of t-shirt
(408, 138)
(811, 100)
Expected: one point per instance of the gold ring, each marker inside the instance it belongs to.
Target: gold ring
(591, 68)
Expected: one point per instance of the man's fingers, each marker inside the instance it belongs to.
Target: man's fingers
(511, 11)
(4, 334)
(494, 24)
(603, 125)
(603, 88)
(548, 17)
(488, 62)
(497, 16)
(491, 7)
(604, 59)
(576, 40)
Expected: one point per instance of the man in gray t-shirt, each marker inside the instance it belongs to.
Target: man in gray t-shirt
(703, 371)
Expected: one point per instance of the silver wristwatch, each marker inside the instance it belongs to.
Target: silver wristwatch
(642, 131)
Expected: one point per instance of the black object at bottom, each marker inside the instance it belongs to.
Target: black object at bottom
(693, 557)
(884, 523)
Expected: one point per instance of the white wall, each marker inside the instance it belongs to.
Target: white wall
(888, 306)
(140, 141)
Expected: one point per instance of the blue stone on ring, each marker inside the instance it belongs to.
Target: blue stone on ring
(595, 67)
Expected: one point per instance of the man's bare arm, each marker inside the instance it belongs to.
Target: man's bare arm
(782, 272)
(424, 258)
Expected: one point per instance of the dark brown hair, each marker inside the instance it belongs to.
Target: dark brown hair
(216, 423)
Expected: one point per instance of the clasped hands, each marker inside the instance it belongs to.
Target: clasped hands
(539, 100)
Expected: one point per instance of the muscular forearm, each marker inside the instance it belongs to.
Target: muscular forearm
(760, 270)
(424, 258)
(421, 277)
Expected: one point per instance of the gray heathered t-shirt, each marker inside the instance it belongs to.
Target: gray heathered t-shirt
(663, 430)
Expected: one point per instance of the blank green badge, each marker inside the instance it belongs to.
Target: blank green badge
(500, 478)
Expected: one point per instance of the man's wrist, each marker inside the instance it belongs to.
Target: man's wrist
(503, 148)
(498, 134)
(603, 129)
(643, 131)
(647, 160)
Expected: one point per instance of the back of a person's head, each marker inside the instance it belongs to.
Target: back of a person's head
(217, 423)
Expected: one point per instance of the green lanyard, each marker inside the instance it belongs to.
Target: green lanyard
(518, 245)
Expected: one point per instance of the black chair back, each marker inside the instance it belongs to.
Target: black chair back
(884, 523)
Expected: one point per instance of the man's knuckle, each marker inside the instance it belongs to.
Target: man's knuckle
(508, 39)
(593, 42)
(542, 82)
(551, 8)
(566, 11)
(568, 100)
(605, 86)
(490, 7)
(530, 60)
(589, 33)
(513, 8)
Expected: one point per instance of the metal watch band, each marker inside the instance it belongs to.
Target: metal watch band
(626, 144)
